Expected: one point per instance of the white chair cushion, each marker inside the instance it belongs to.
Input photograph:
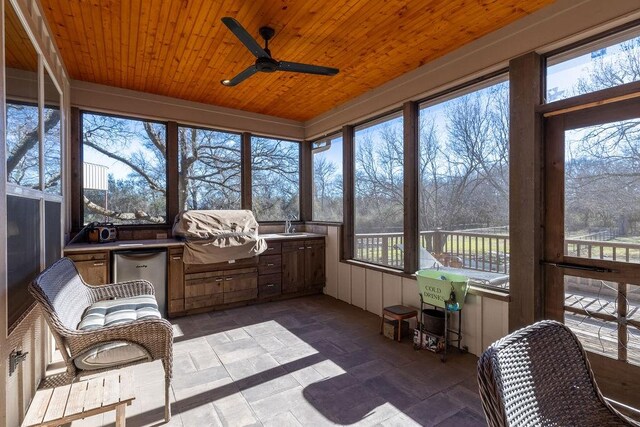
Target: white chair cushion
(119, 311)
(113, 354)
(109, 313)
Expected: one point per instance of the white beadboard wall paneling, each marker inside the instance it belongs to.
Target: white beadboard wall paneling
(344, 282)
(495, 321)
(374, 291)
(95, 97)
(331, 261)
(391, 290)
(410, 294)
(472, 324)
(359, 287)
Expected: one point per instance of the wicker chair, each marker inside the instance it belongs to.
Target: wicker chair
(64, 298)
(540, 376)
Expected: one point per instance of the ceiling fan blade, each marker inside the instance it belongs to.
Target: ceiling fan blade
(296, 67)
(246, 39)
(244, 75)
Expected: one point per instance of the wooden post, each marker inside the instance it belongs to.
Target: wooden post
(173, 196)
(348, 164)
(410, 113)
(245, 172)
(525, 190)
(306, 181)
(75, 150)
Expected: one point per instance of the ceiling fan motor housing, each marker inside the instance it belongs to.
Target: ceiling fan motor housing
(266, 65)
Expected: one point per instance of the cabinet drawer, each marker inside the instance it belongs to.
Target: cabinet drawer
(240, 283)
(269, 285)
(269, 264)
(244, 295)
(203, 268)
(92, 256)
(273, 248)
(203, 301)
(203, 287)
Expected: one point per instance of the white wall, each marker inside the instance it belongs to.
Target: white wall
(484, 319)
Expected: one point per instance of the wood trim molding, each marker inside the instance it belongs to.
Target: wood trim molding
(348, 176)
(245, 172)
(525, 190)
(410, 112)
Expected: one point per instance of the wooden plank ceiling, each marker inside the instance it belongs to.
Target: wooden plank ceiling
(19, 52)
(179, 48)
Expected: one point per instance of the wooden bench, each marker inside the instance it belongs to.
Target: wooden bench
(60, 405)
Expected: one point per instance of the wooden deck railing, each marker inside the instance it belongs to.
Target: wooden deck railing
(480, 251)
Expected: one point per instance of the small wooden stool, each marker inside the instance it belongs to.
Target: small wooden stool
(61, 405)
(399, 313)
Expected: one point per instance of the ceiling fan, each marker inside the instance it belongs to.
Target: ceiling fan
(264, 62)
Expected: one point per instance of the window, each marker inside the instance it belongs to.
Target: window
(327, 179)
(604, 64)
(125, 170)
(275, 175)
(209, 169)
(379, 192)
(464, 180)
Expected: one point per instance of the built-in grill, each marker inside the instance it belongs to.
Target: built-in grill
(214, 236)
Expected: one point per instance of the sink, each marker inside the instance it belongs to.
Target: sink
(291, 234)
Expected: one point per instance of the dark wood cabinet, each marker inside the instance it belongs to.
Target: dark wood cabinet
(92, 266)
(303, 265)
(293, 256)
(314, 264)
(175, 283)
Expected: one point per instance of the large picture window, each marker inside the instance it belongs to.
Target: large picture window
(125, 170)
(379, 192)
(464, 182)
(209, 169)
(327, 179)
(275, 169)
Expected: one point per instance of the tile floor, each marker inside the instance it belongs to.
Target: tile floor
(310, 361)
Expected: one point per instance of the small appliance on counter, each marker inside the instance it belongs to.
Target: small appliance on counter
(101, 232)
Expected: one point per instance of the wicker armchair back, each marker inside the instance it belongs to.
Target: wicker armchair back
(64, 295)
(540, 375)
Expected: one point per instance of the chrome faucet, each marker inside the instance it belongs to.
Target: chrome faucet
(287, 226)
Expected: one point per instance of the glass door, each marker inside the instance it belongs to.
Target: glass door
(592, 238)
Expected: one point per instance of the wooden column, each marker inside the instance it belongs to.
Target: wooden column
(411, 179)
(525, 191)
(75, 164)
(348, 164)
(173, 196)
(245, 172)
(306, 181)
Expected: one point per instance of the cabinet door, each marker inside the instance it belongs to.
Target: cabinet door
(314, 260)
(176, 281)
(92, 266)
(293, 266)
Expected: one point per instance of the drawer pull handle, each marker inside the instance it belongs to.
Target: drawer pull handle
(228, 278)
(98, 264)
(271, 249)
(219, 279)
(271, 285)
(176, 258)
(309, 247)
(270, 265)
(301, 248)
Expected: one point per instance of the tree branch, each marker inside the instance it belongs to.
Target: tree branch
(137, 215)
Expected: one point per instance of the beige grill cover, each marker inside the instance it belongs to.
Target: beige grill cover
(218, 236)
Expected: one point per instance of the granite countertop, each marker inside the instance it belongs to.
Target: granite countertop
(165, 243)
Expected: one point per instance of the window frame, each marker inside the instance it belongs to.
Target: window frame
(79, 222)
(249, 187)
(327, 137)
